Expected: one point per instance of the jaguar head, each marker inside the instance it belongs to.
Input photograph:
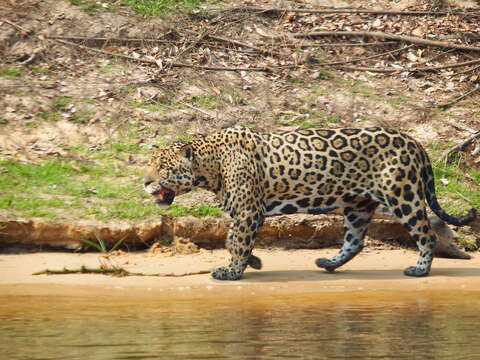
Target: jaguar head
(170, 172)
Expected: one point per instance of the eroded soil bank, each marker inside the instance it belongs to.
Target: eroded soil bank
(188, 234)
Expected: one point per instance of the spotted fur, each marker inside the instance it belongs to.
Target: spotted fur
(311, 171)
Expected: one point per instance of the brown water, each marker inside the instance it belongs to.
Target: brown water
(334, 326)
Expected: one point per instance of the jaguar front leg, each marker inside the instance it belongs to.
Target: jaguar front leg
(240, 242)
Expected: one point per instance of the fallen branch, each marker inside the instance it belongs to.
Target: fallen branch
(119, 272)
(199, 38)
(466, 71)
(413, 70)
(109, 40)
(242, 44)
(459, 147)
(385, 36)
(365, 58)
(354, 11)
(18, 27)
(460, 98)
(461, 127)
(200, 110)
(155, 62)
(381, 43)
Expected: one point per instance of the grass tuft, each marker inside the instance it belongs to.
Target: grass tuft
(161, 7)
(10, 72)
(198, 211)
(458, 189)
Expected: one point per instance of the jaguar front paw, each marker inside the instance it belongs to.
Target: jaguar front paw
(227, 273)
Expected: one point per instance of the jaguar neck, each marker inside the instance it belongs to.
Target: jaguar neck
(207, 164)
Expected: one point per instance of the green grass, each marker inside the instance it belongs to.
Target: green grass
(128, 209)
(333, 119)
(31, 124)
(82, 115)
(304, 124)
(10, 72)
(42, 190)
(50, 172)
(108, 68)
(3, 121)
(397, 100)
(205, 101)
(363, 91)
(197, 210)
(151, 106)
(99, 244)
(161, 7)
(105, 191)
(318, 91)
(357, 87)
(61, 103)
(314, 119)
(53, 116)
(462, 191)
(40, 70)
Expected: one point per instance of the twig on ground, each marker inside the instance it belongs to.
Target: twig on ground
(354, 11)
(242, 44)
(461, 127)
(154, 62)
(199, 110)
(381, 43)
(412, 70)
(85, 39)
(459, 147)
(18, 27)
(383, 36)
(460, 98)
(448, 66)
(372, 69)
(464, 198)
(194, 43)
(120, 272)
(436, 56)
(365, 58)
(466, 71)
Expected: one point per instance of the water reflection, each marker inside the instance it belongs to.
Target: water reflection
(341, 326)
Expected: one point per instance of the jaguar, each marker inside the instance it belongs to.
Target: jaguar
(313, 171)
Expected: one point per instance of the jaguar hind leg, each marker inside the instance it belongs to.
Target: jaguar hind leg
(254, 262)
(418, 226)
(356, 220)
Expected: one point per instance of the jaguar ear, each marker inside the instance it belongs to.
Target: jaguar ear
(186, 151)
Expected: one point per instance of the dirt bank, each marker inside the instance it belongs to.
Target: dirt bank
(189, 234)
(285, 273)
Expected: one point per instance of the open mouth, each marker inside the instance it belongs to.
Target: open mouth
(164, 196)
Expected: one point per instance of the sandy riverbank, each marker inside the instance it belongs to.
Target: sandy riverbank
(284, 273)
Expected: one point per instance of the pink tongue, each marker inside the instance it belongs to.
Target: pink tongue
(159, 196)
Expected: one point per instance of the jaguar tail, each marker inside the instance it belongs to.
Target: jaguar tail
(435, 206)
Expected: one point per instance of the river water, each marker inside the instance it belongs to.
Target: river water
(396, 325)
